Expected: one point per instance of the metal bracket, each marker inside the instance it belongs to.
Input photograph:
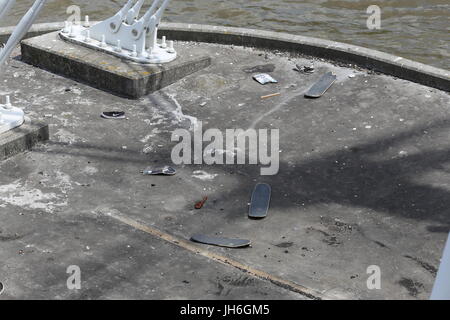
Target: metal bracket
(10, 117)
(124, 35)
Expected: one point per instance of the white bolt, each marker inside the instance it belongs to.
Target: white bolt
(150, 53)
(170, 49)
(72, 32)
(134, 53)
(8, 104)
(88, 36)
(66, 27)
(86, 21)
(119, 46)
(103, 44)
(163, 42)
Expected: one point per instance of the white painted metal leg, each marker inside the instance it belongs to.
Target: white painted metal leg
(5, 6)
(441, 290)
(12, 117)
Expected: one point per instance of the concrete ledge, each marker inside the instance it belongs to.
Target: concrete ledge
(35, 30)
(331, 50)
(22, 139)
(104, 71)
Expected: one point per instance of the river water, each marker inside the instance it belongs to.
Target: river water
(414, 29)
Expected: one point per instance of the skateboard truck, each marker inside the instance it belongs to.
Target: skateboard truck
(124, 35)
(12, 117)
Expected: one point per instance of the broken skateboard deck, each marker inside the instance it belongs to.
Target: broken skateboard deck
(260, 202)
(319, 89)
(221, 242)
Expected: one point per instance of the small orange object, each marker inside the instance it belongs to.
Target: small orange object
(200, 204)
(271, 95)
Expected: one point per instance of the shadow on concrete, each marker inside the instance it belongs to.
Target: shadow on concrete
(346, 177)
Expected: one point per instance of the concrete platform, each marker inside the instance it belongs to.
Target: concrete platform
(364, 180)
(22, 138)
(105, 71)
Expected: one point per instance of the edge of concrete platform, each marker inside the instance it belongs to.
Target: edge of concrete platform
(335, 51)
(22, 138)
(106, 72)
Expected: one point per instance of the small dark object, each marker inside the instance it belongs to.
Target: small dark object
(159, 171)
(262, 68)
(285, 245)
(260, 201)
(321, 86)
(304, 69)
(1, 288)
(221, 242)
(113, 115)
(200, 204)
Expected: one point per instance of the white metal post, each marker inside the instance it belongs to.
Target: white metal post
(12, 117)
(441, 290)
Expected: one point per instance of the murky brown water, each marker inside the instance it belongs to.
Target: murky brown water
(415, 29)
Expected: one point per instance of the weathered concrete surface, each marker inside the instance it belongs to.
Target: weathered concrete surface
(22, 138)
(293, 44)
(105, 71)
(319, 48)
(363, 181)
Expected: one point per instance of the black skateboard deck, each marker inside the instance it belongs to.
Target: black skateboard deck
(319, 89)
(260, 202)
(221, 242)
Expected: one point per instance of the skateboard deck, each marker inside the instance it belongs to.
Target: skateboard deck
(260, 202)
(221, 242)
(319, 89)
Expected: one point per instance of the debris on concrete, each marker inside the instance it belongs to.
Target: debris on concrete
(221, 242)
(113, 115)
(320, 87)
(271, 95)
(264, 78)
(261, 68)
(158, 171)
(200, 204)
(305, 69)
(203, 175)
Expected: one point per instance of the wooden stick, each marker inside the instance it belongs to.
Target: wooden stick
(271, 95)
